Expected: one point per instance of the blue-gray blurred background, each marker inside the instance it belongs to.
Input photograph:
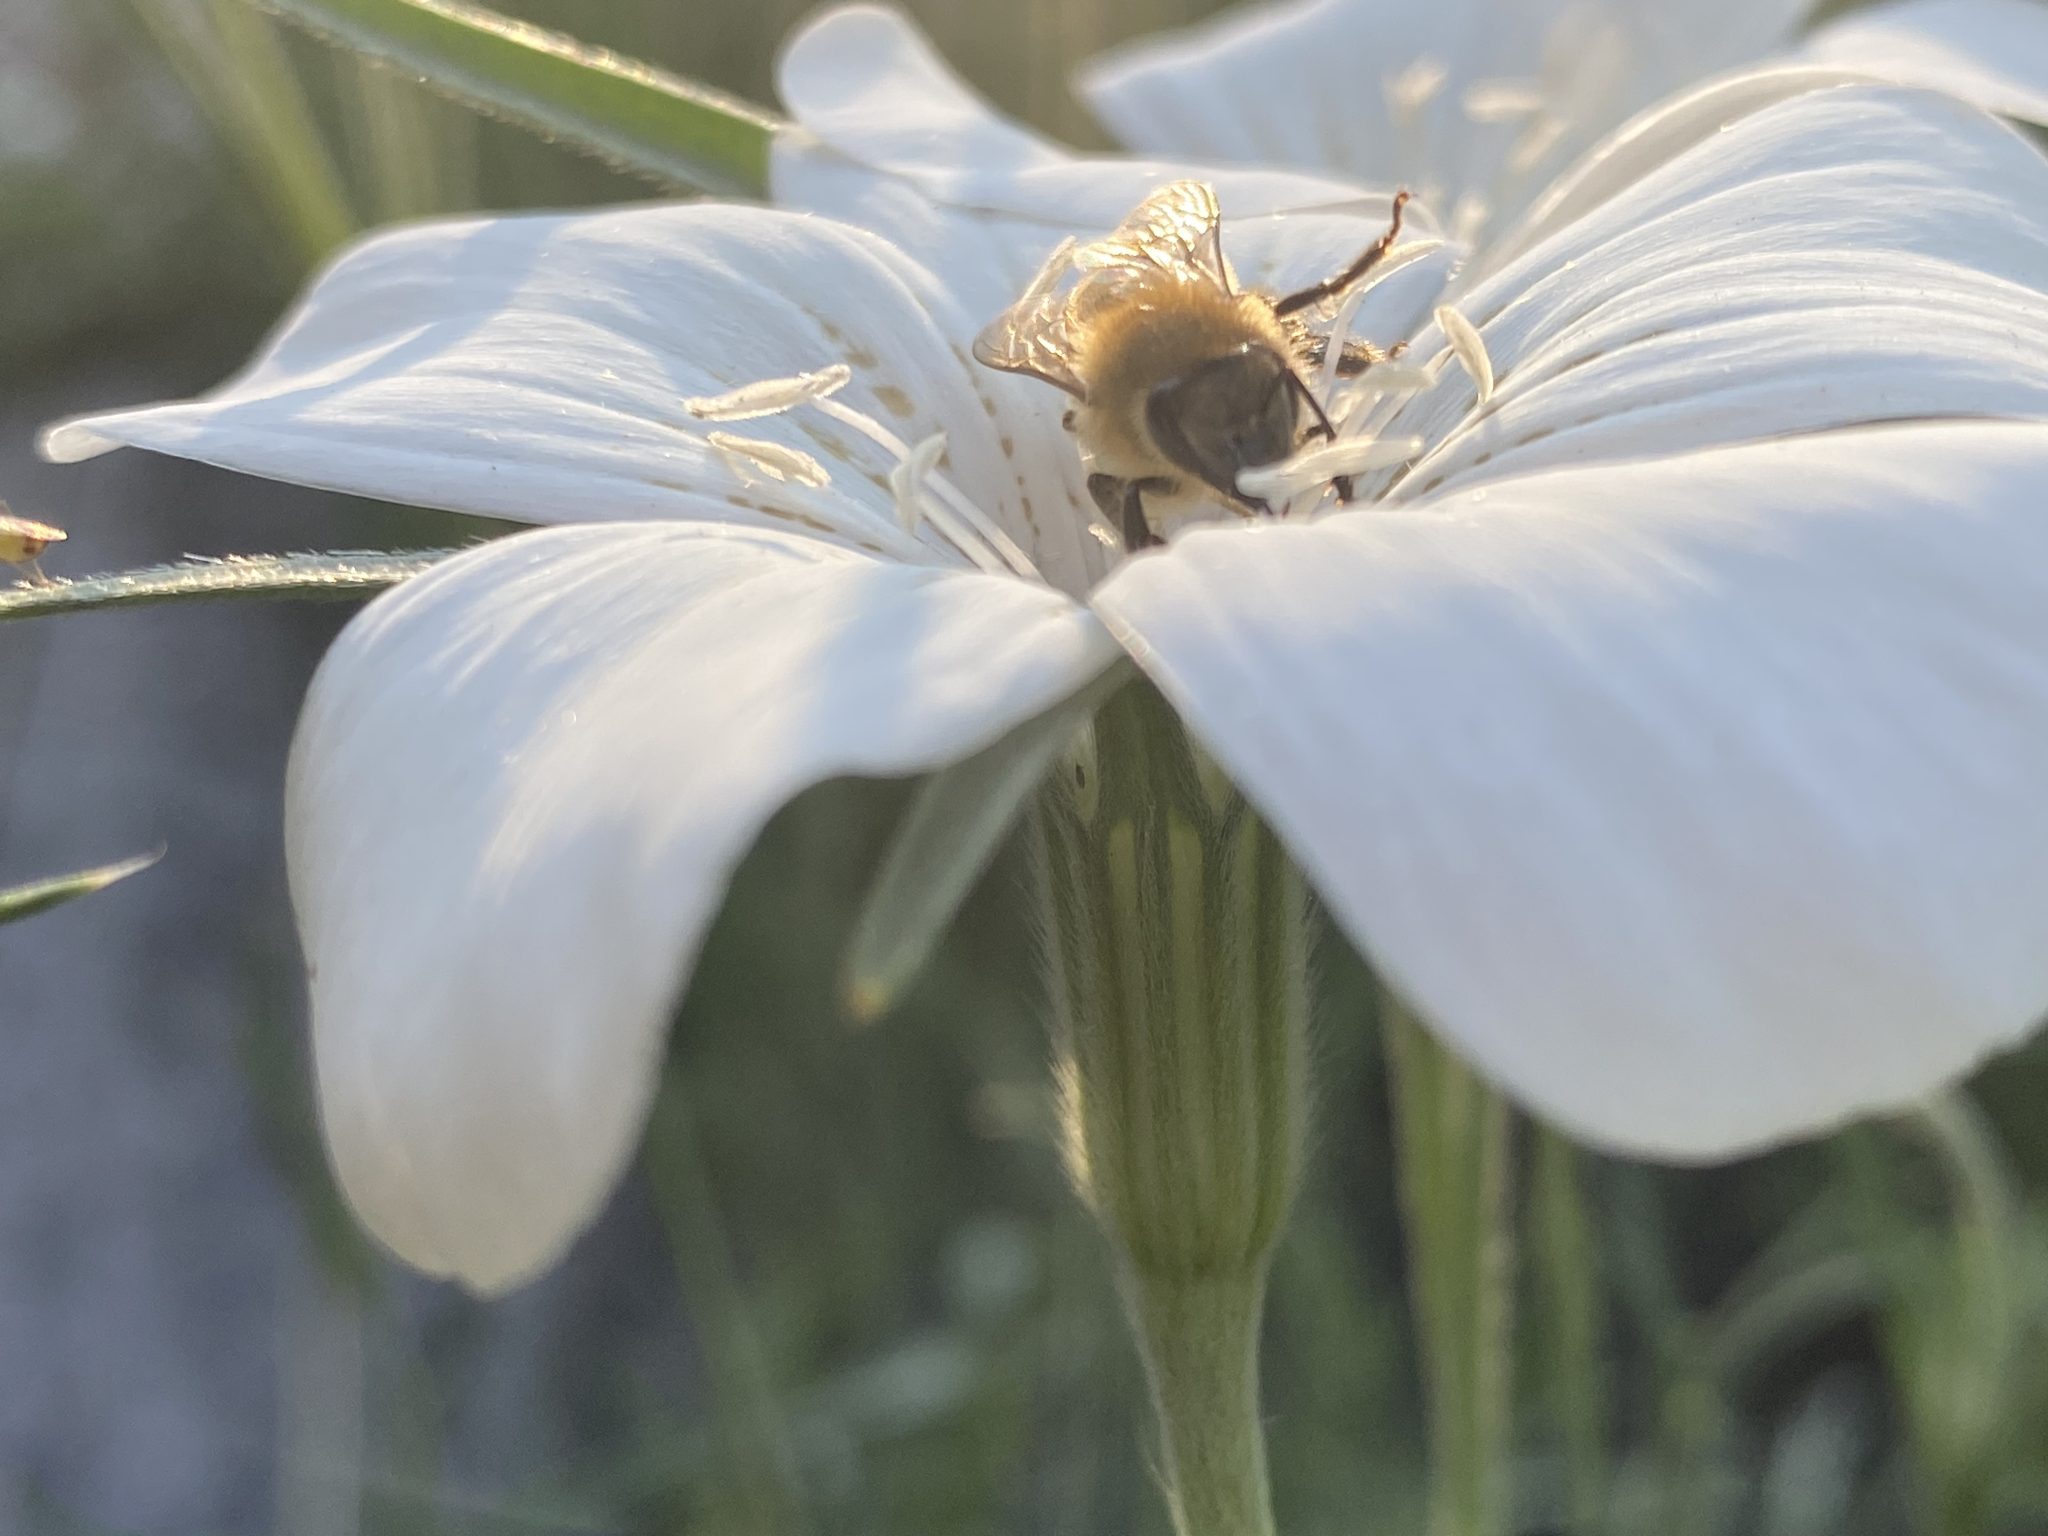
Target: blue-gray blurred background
(849, 1292)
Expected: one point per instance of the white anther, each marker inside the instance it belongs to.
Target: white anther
(1503, 101)
(1469, 219)
(1468, 347)
(907, 480)
(745, 454)
(1316, 467)
(1384, 379)
(1537, 143)
(1414, 88)
(770, 397)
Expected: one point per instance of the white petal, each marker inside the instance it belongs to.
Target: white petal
(863, 85)
(1647, 142)
(538, 368)
(1325, 83)
(1701, 802)
(1853, 255)
(519, 788)
(1991, 52)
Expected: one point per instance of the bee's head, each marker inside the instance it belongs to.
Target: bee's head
(1228, 414)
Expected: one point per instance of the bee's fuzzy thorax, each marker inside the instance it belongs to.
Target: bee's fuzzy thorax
(1127, 349)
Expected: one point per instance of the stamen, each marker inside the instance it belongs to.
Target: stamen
(1537, 143)
(1413, 88)
(1504, 101)
(907, 480)
(1397, 260)
(1340, 337)
(1469, 347)
(772, 459)
(769, 397)
(1385, 380)
(1316, 467)
(949, 513)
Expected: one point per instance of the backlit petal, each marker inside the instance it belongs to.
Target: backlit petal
(519, 788)
(1991, 52)
(536, 368)
(1699, 802)
(1860, 254)
(1320, 83)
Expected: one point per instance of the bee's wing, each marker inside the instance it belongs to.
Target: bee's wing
(1178, 229)
(1031, 335)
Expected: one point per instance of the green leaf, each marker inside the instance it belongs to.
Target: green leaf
(40, 895)
(330, 574)
(630, 114)
(948, 837)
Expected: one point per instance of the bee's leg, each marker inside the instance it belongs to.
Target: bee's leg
(1374, 255)
(1122, 502)
(1354, 360)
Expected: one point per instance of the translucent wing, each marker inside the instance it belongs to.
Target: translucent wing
(1031, 335)
(1176, 232)
(1178, 229)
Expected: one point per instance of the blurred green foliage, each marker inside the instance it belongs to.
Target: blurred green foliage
(897, 1319)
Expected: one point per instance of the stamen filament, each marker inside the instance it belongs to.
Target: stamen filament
(948, 512)
(907, 480)
(1397, 260)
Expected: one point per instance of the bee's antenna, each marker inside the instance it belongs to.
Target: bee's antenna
(1342, 482)
(1373, 256)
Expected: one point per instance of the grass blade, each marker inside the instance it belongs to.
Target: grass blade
(22, 901)
(630, 114)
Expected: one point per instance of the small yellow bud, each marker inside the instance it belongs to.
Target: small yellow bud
(22, 539)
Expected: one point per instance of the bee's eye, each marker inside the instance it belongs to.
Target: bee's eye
(1229, 414)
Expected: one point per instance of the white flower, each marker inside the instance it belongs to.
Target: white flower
(1673, 732)
(1478, 105)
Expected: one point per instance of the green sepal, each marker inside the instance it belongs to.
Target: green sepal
(627, 113)
(947, 839)
(22, 901)
(307, 576)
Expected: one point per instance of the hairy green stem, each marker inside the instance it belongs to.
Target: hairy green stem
(1201, 1344)
(1177, 944)
(1453, 1135)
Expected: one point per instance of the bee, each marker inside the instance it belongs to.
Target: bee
(1181, 380)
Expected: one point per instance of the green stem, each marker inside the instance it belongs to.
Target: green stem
(335, 575)
(1565, 1259)
(756, 1465)
(1179, 965)
(1453, 1136)
(1201, 1347)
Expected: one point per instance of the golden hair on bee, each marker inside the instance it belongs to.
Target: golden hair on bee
(1182, 381)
